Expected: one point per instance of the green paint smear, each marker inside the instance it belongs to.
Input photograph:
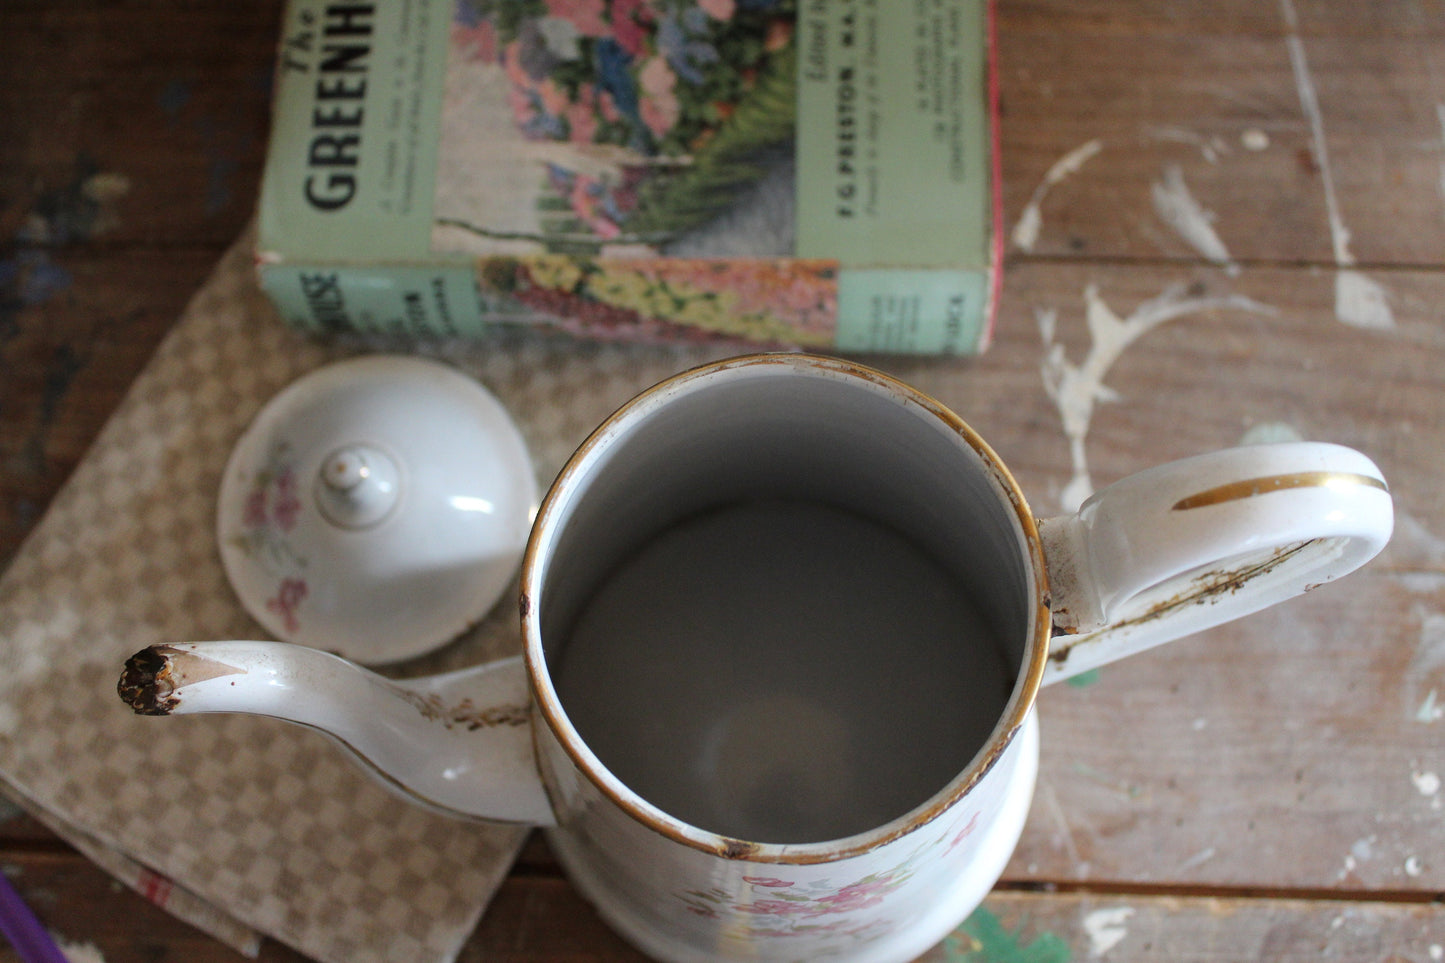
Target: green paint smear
(1083, 679)
(983, 939)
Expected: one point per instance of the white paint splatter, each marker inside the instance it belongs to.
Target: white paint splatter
(1440, 115)
(1026, 232)
(1437, 952)
(1254, 140)
(1413, 866)
(1429, 657)
(1178, 208)
(1359, 301)
(1309, 102)
(1428, 785)
(1363, 849)
(1210, 148)
(1198, 859)
(1419, 582)
(1270, 432)
(1429, 712)
(80, 952)
(1075, 389)
(1106, 929)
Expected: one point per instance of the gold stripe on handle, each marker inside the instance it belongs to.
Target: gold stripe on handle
(1273, 483)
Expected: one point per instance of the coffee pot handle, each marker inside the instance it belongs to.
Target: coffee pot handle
(1195, 543)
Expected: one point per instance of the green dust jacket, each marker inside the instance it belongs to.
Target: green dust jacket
(819, 174)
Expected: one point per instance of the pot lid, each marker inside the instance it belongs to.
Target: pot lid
(376, 507)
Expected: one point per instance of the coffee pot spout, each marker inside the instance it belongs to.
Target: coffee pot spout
(460, 742)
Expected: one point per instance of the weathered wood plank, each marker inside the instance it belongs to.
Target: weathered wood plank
(1214, 91)
(1229, 353)
(1054, 928)
(1207, 89)
(1091, 18)
(169, 104)
(1218, 120)
(1287, 751)
(87, 910)
(1292, 749)
(1037, 927)
(543, 918)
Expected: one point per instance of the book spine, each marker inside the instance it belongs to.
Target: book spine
(923, 312)
(407, 300)
(938, 311)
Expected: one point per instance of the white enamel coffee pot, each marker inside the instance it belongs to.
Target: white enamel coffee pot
(785, 619)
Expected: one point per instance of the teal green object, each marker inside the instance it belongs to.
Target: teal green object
(984, 939)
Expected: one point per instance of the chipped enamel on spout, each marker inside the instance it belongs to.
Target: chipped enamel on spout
(459, 743)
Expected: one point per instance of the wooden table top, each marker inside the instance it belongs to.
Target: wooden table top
(1230, 215)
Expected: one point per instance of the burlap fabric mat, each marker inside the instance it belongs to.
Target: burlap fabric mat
(247, 826)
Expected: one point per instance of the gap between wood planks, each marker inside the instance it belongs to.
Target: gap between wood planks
(1112, 888)
(536, 862)
(1258, 263)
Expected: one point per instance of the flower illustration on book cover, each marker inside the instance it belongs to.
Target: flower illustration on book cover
(624, 168)
(633, 120)
(758, 301)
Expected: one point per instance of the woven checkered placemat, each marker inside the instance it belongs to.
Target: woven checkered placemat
(245, 825)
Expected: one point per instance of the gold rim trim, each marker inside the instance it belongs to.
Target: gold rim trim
(1251, 487)
(1027, 686)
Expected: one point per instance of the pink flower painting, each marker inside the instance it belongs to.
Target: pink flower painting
(650, 80)
(289, 596)
(270, 510)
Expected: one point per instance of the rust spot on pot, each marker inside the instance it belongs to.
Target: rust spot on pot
(1211, 585)
(1059, 628)
(466, 714)
(737, 849)
(1205, 589)
(524, 602)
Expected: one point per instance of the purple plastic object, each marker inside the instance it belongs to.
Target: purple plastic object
(23, 930)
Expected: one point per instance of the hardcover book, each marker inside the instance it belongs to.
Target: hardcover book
(809, 173)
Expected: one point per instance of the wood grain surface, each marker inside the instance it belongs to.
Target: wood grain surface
(1240, 206)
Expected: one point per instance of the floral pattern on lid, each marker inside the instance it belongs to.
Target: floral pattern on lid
(270, 511)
